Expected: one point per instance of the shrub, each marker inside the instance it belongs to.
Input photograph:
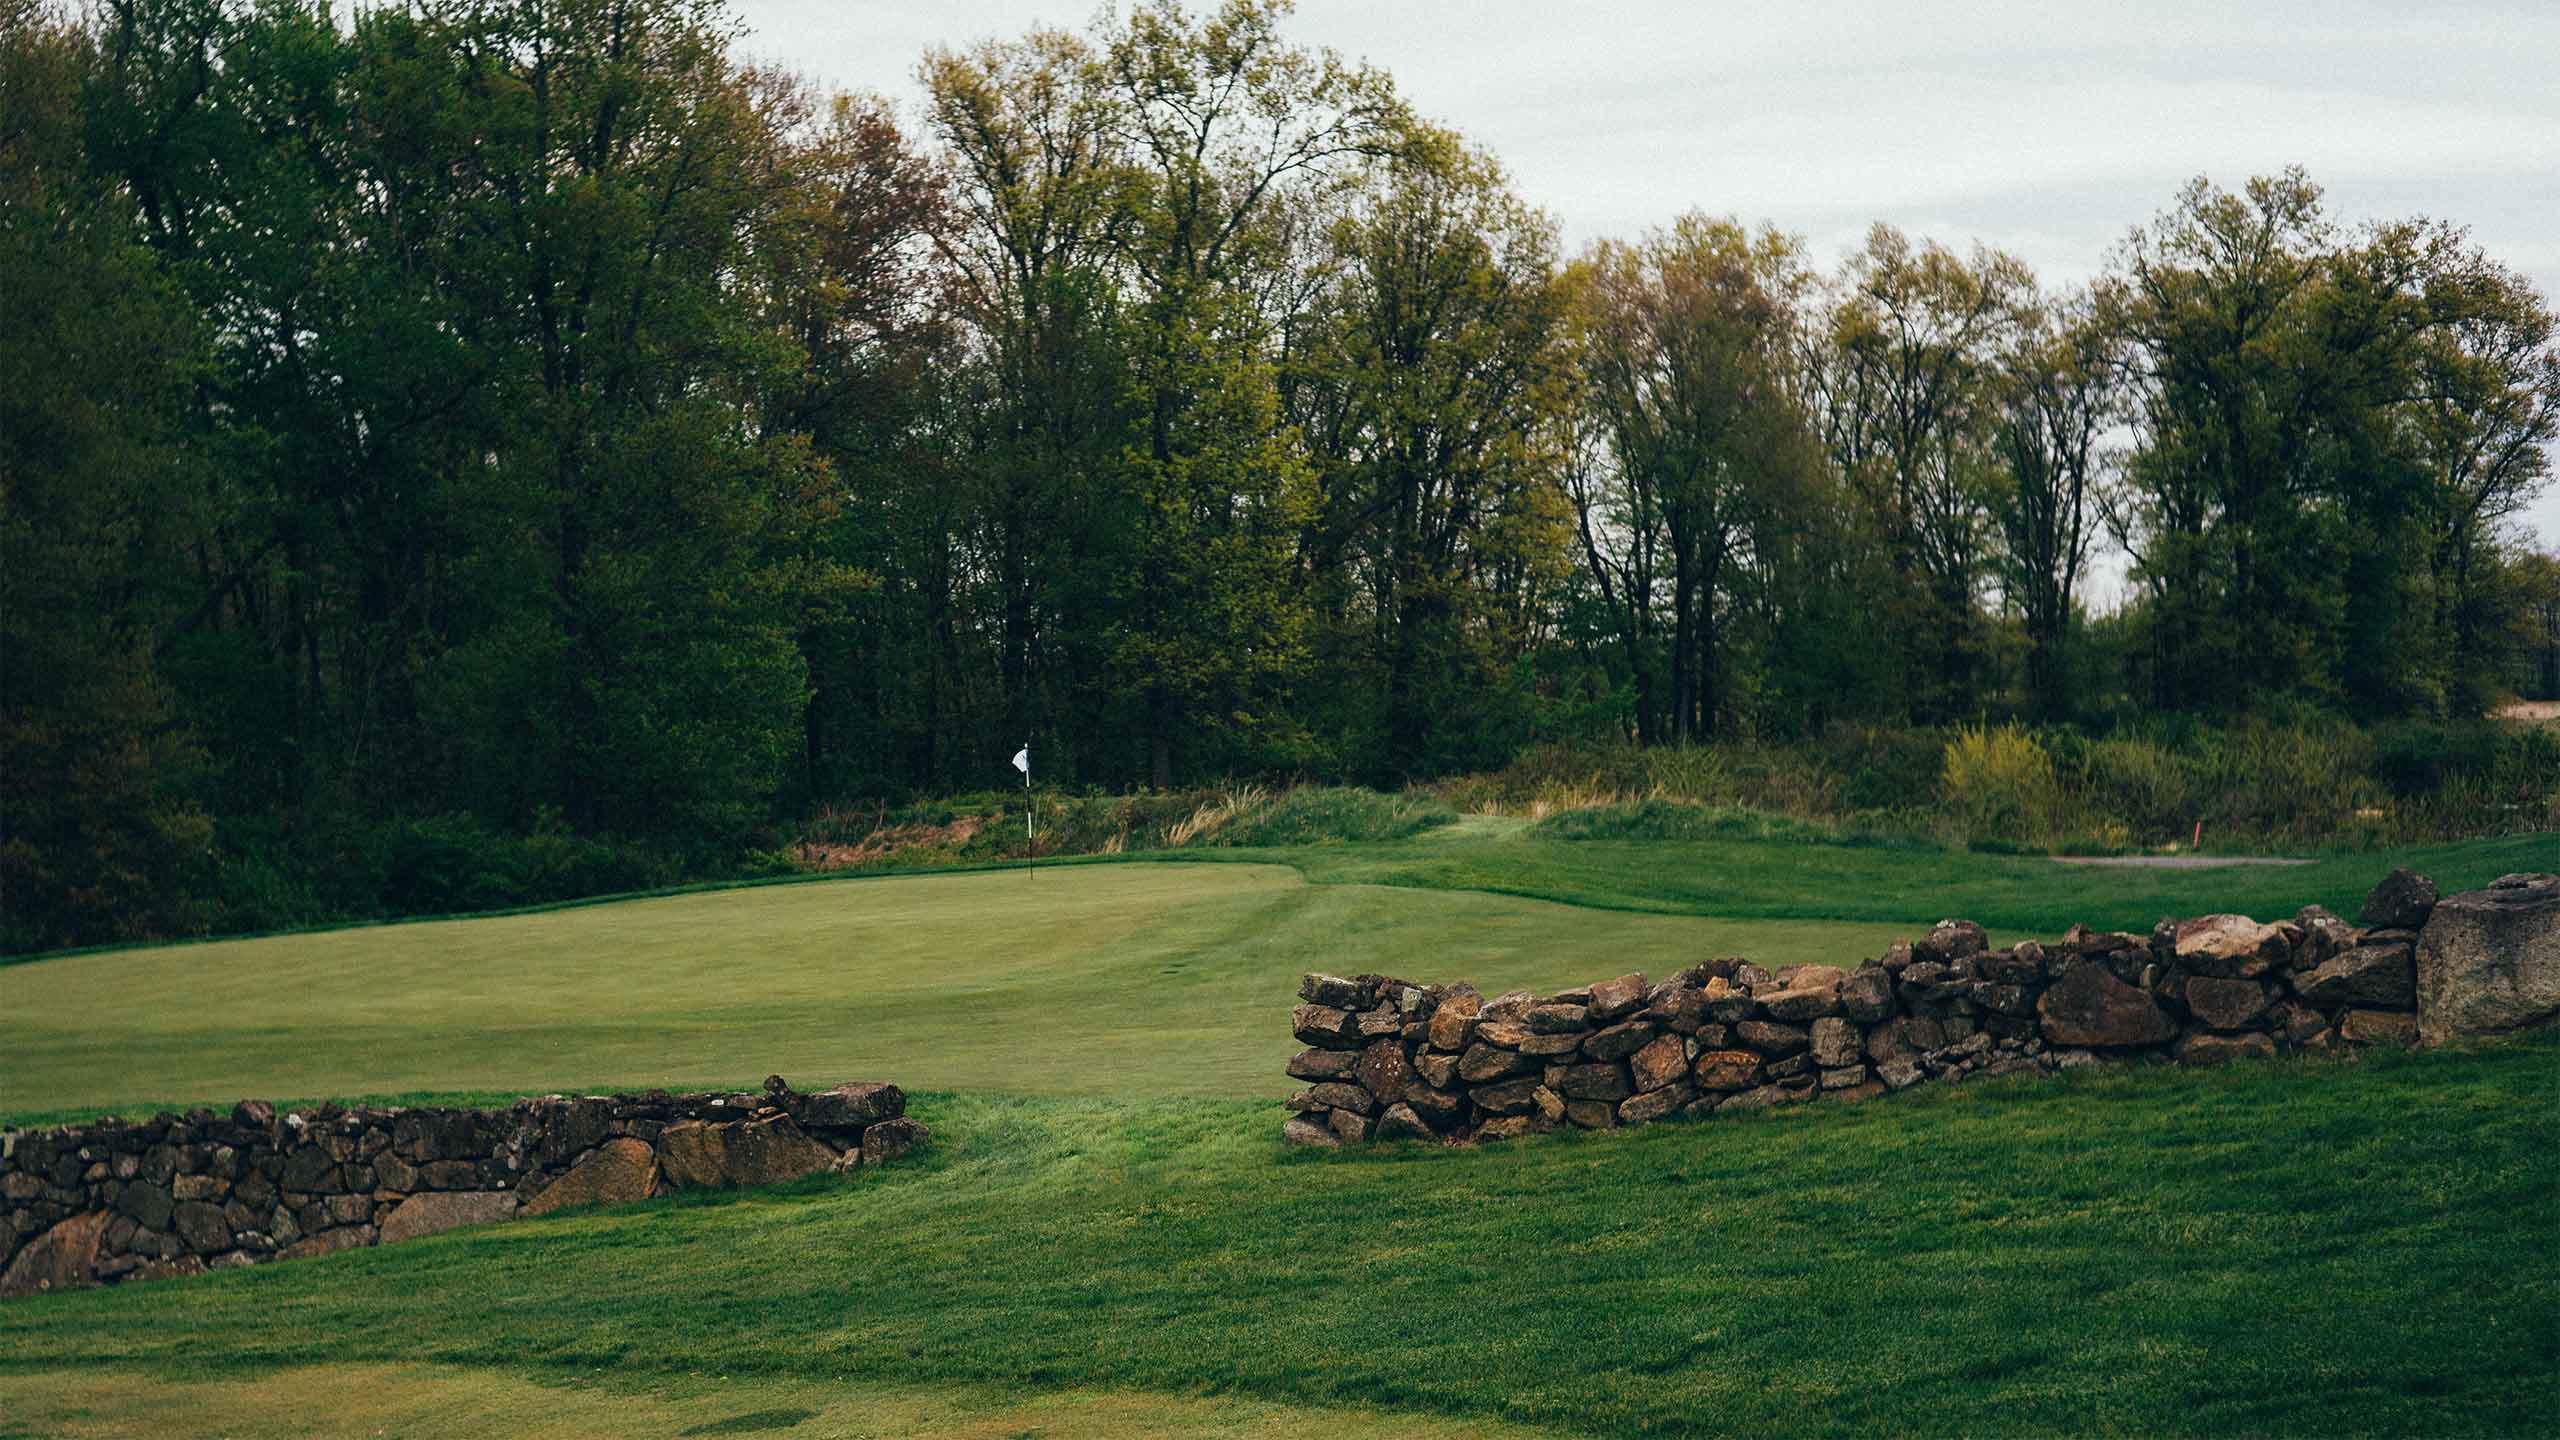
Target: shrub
(1999, 785)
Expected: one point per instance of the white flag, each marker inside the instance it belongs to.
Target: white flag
(1022, 760)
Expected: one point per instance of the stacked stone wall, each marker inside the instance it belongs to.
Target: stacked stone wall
(1388, 1058)
(120, 1200)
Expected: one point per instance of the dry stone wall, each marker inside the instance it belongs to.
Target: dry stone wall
(118, 1200)
(1389, 1058)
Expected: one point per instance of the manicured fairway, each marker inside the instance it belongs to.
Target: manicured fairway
(1116, 979)
(1106, 1238)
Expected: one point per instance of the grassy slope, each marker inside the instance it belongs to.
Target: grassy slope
(2284, 1248)
(2300, 1248)
(1130, 979)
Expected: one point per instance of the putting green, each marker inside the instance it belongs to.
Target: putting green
(1138, 979)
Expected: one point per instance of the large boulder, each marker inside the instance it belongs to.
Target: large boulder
(739, 1152)
(2090, 1006)
(2489, 960)
(58, 1259)
(618, 1171)
(443, 1210)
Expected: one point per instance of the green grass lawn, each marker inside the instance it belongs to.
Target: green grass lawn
(1106, 1238)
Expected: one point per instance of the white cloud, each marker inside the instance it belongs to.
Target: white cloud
(2046, 129)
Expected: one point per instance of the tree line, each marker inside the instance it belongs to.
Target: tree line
(534, 413)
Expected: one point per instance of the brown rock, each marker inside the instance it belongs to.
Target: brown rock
(1454, 1022)
(443, 1210)
(2371, 975)
(1803, 1002)
(1323, 1064)
(1334, 1095)
(2230, 946)
(2489, 960)
(1906, 1037)
(1485, 1063)
(1614, 1000)
(1299, 1130)
(1727, 1070)
(893, 1139)
(1762, 1098)
(1836, 1042)
(1511, 1097)
(1369, 1025)
(617, 1172)
(1442, 1108)
(1652, 1105)
(1599, 1082)
(1663, 1062)
(739, 1152)
(1504, 1034)
(1845, 1077)
(1437, 1070)
(1771, 1039)
(1553, 1019)
(1591, 1114)
(1384, 1071)
(204, 1227)
(1325, 1027)
(1618, 1041)
(1507, 1127)
(2206, 1048)
(1402, 1123)
(1950, 940)
(847, 1107)
(2378, 1027)
(64, 1256)
(329, 1242)
(1351, 1127)
(2089, 1006)
(1867, 996)
(2403, 901)
(1333, 991)
(2225, 1004)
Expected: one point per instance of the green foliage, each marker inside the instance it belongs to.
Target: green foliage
(1999, 783)
(1678, 820)
(1178, 401)
(1332, 815)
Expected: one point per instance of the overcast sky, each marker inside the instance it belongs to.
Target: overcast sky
(2047, 129)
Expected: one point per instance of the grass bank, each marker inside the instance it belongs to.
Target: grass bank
(2298, 1247)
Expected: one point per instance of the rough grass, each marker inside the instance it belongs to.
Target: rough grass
(2309, 1248)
